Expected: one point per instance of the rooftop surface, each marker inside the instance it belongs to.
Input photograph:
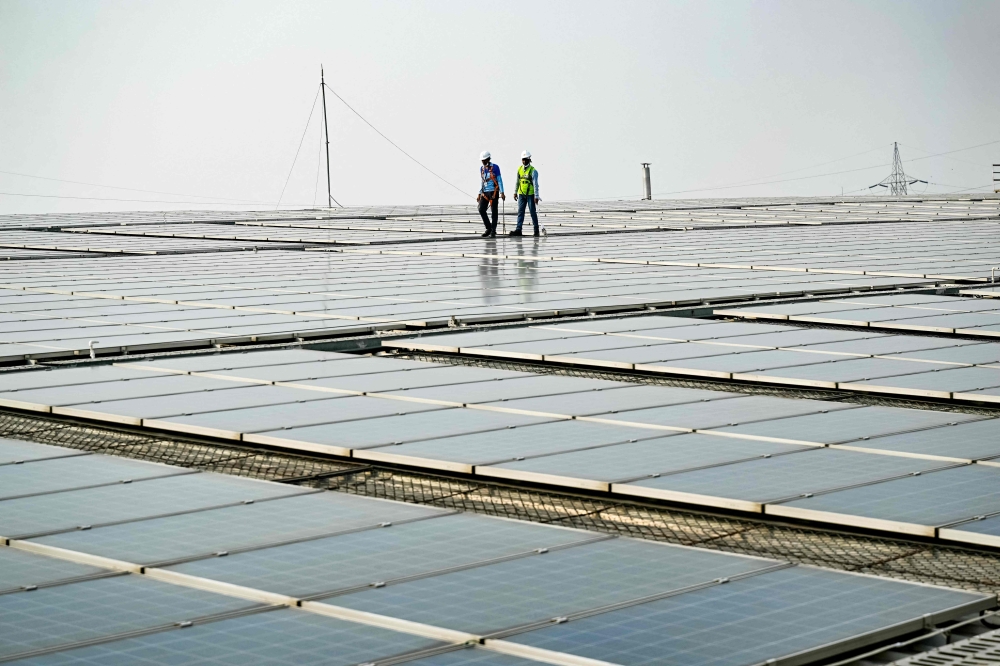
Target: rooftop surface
(672, 432)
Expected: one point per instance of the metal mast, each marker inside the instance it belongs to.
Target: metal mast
(326, 135)
(897, 181)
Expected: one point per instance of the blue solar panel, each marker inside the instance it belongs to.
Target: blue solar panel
(19, 568)
(84, 611)
(749, 621)
(929, 499)
(499, 596)
(808, 471)
(281, 638)
(69, 510)
(361, 558)
(240, 526)
(44, 476)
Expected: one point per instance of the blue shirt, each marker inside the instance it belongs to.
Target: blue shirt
(484, 175)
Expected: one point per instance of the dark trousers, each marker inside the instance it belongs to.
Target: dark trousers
(529, 201)
(489, 199)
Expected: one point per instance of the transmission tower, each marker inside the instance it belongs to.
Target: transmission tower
(897, 181)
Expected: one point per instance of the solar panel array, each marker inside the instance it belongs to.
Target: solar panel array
(899, 365)
(326, 229)
(113, 560)
(54, 309)
(754, 210)
(743, 452)
(233, 570)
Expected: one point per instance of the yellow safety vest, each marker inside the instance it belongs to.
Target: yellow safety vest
(525, 180)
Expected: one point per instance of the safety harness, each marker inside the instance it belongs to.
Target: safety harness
(483, 170)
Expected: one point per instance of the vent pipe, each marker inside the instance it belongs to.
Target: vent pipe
(647, 189)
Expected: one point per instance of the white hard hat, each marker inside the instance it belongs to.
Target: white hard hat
(526, 155)
(485, 155)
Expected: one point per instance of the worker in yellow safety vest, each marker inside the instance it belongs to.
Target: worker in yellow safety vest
(526, 193)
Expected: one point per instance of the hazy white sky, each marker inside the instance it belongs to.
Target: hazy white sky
(211, 98)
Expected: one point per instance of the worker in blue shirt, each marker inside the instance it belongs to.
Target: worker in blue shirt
(489, 191)
(526, 193)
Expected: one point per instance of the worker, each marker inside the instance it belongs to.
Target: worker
(526, 192)
(491, 188)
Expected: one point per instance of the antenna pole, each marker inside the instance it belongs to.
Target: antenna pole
(326, 135)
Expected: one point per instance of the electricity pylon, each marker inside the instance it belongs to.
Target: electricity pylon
(897, 181)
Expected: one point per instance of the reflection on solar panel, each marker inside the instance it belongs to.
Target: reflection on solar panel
(125, 299)
(929, 367)
(282, 581)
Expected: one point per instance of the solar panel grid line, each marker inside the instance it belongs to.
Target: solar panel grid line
(41, 585)
(418, 655)
(53, 457)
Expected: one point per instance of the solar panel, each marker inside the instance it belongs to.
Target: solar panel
(237, 396)
(361, 559)
(615, 400)
(231, 423)
(971, 440)
(15, 450)
(118, 502)
(46, 476)
(281, 637)
(510, 389)
(236, 527)
(913, 505)
(368, 433)
(152, 385)
(462, 453)
(808, 614)
(848, 425)
(491, 598)
(973, 354)
(717, 413)
(65, 376)
(596, 468)
(983, 531)
(21, 570)
(748, 485)
(68, 614)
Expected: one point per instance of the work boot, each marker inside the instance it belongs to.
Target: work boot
(516, 232)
